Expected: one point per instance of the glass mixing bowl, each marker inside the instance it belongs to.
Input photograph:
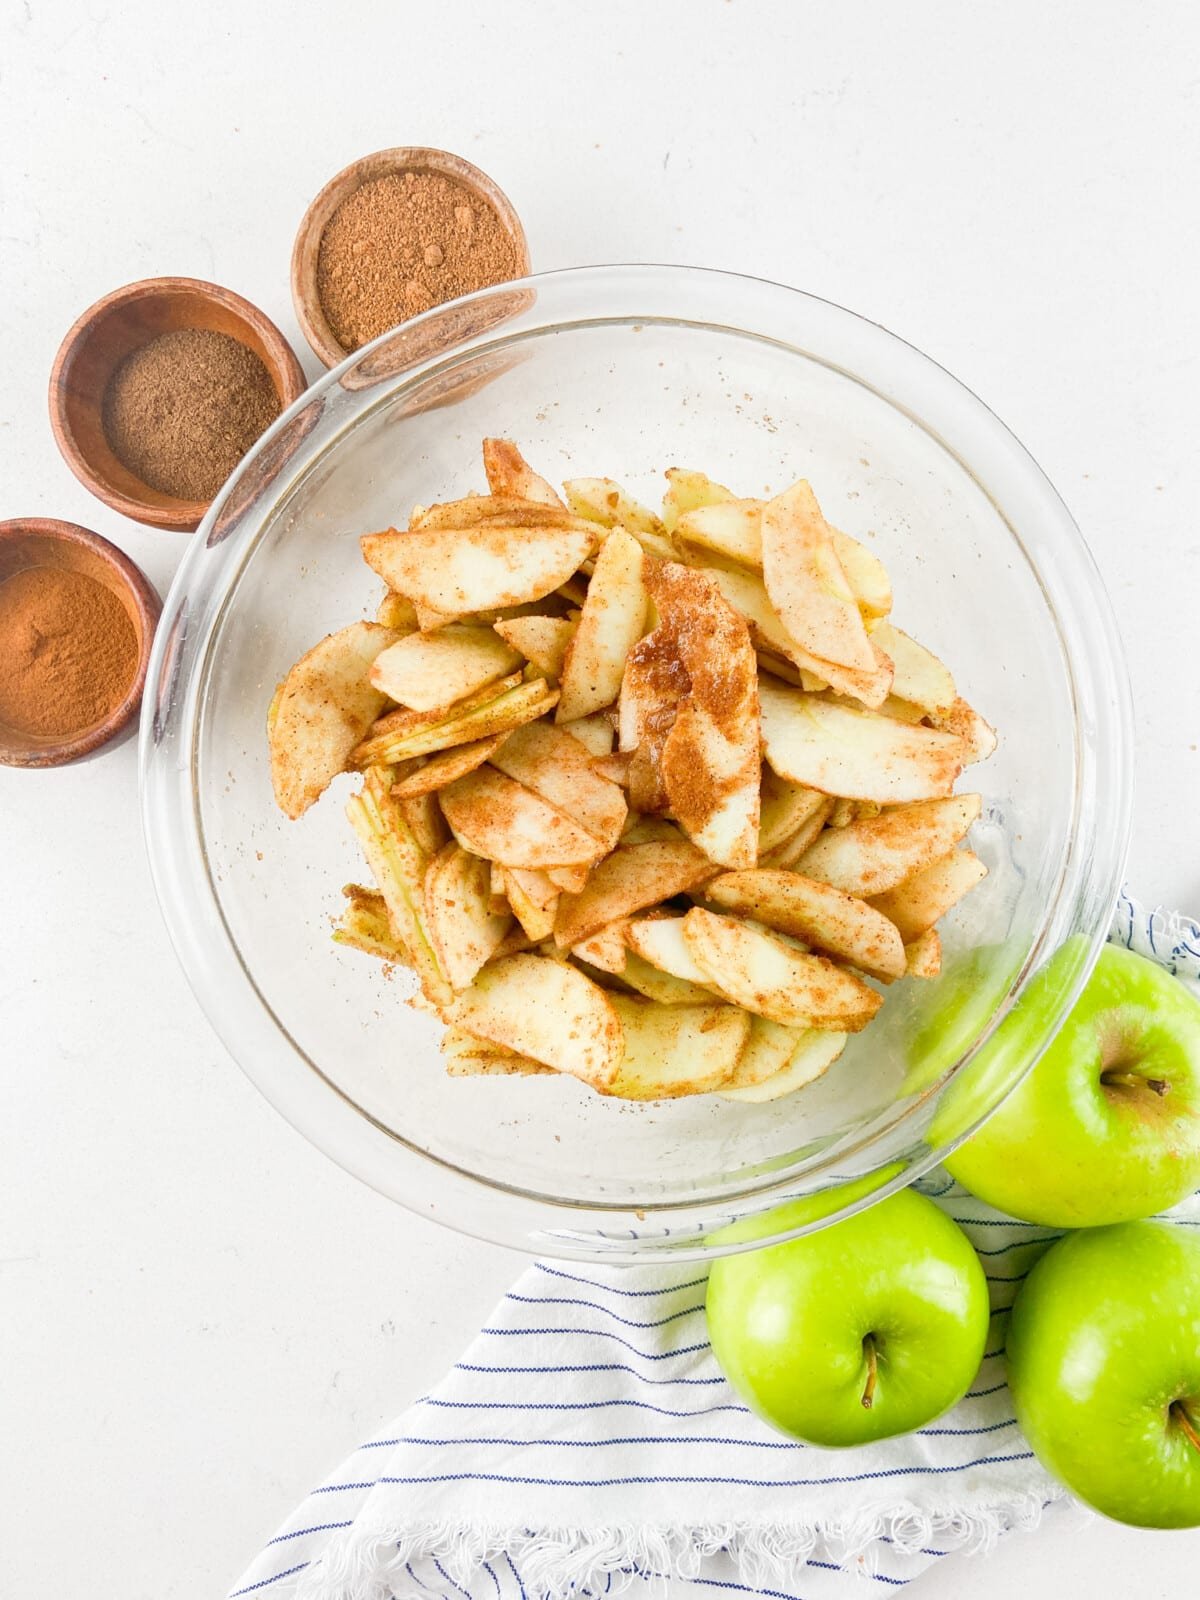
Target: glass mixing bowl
(624, 371)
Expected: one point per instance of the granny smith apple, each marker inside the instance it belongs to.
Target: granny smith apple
(1106, 1127)
(1104, 1368)
(871, 1326)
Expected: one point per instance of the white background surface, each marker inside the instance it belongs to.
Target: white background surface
(199, 1314)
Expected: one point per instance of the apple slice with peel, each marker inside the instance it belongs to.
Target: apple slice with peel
(541, 640)
(463, 929)
(552, 763)
(321, 711)
(873, 854)
(630, 879)
(920, 901)
(920, 678)
(852, 753)
(426, 671)
(403, 734)
(923, 956)
(822, 916)
(495, 817)
(814, 1054)
(767, 977)
(447, 765)
(807, 585)
(675, 1050)
(456, 571)
(548, 1011)
(612, 621)
(508, 473)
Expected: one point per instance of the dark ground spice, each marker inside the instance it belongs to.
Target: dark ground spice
(181, 411)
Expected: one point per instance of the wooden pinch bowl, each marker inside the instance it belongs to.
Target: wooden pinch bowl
(97, 344)
(405, 158)
(44, 542)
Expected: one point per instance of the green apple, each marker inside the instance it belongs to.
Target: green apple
(1106, 1126)
(1104, 1368)
(869, 1327)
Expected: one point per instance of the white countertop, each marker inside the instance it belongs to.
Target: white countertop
(198, 1313)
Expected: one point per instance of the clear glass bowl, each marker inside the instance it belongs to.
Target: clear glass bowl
(624, 371)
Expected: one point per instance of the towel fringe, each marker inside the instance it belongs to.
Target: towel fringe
(559, 1562)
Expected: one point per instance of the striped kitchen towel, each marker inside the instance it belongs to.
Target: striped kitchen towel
(586, 1442)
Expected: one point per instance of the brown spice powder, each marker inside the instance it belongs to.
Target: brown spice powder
(68, 652)
(182, 410)
(403, 243)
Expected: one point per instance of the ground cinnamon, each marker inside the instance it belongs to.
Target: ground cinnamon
(403, 243)
(68, 652)
(182, 410)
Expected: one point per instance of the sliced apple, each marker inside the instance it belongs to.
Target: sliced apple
(541, 640)
(603, 501)
(364, 925)
(321, 711)
(923, 956)
(398, 865)
(978, 736)
(425, 821)
(873, 854)
(397, 613)
(456, 571)
(535, 915)
(810, 1060)
(537, 886)
(509, 473)
(920, 901)
(807, 585)
(511, 510)
(784, 809)
(920, 677)
(595, 734)
(630, 879)
(495, 817)
(426, 671)
(463, 929)
(548, 760)
(468, 1057)
(865, 573)
(774, 981)
(793, 848)
(660, 941)
(655, 984)
(769, 1048)
(730, 528)
(824, 917)
(570, 880)
(686, 490)
(443, 768)
(612, 621)
(605, 949)
(852, 753)
(403, 734)
(548, 1011)
(675, 1050)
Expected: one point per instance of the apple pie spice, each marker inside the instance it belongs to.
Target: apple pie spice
(68, 652)
(403, 243)
(181, 411)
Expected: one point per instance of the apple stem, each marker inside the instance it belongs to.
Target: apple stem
(1184, 1418)
(868, 1398)
(1134, 1080)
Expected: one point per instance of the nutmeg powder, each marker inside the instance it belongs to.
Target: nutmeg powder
(403, 243)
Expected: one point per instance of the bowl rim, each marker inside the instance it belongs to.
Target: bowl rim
(146, 603)
(180, 516)
(1089, 874)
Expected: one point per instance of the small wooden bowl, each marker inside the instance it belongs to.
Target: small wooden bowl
(43, 542)
(101, 339)
(407, 158)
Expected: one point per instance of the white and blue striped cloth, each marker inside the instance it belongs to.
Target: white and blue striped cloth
(586, 1442)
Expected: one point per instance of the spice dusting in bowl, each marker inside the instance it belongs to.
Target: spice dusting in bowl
(159, 390)
(396, 234)
(76, 622)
